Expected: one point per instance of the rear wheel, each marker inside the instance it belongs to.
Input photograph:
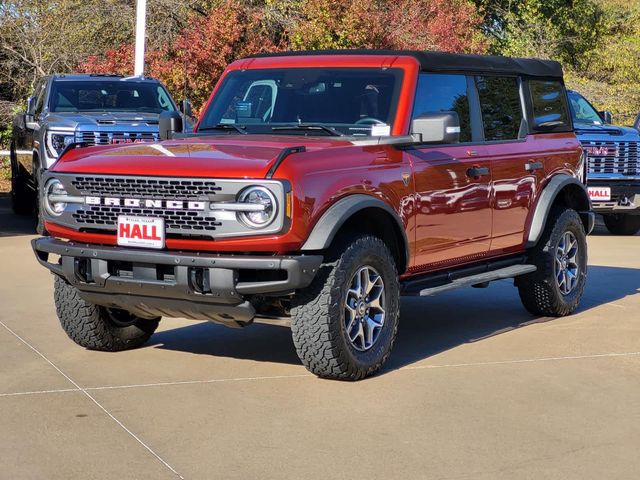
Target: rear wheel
(99, 328)
(344, 324)
(622, 224)
(22, 197)
(556, 287)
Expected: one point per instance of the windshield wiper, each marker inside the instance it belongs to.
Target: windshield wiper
(224, 126)
(308, 127)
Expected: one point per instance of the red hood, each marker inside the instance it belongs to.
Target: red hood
(229, 156)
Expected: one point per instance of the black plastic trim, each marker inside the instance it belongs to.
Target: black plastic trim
(547, 198)
(330, 222)
(226, 288)
(282, 156)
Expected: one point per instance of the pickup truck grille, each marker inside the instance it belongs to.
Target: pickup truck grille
(178, 221)
(614, 158)
(108, 138)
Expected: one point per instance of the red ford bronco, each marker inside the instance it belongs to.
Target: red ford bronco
(317, 189)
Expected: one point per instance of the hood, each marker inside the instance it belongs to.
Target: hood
(102, 120)
(609, 132)
(222, 156)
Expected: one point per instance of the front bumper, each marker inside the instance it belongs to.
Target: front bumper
(625, 197)
(159, 283)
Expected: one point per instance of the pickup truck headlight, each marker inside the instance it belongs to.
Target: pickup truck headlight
(54, 192)
(57, 142)
(265, 203)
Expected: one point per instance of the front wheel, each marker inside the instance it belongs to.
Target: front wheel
(556, 287)
(622, 224)
(99, 328)
(344, 324)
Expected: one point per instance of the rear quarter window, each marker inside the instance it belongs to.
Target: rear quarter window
(500, 106)
(550, 110)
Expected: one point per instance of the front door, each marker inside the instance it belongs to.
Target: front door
(452, 182)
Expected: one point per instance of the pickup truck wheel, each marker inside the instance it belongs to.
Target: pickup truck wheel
(344, 324)
(40, 229)
(22, 200)
(622, 224)
(99, 328)
(556, 288)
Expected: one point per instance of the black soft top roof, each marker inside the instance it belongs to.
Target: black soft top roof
(453, 62)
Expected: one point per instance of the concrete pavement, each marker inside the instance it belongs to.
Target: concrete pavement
(475, 388)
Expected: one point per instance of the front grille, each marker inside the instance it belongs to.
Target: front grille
(614, 158)
(177, 221)
(190, 206)
(168, 189)
(108, 138)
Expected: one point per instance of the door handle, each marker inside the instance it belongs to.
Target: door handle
(476, 172)
(531, 166)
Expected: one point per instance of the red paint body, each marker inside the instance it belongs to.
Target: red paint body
(449, 218)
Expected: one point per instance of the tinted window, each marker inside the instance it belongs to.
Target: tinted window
(549, 104)
(108, 96)
(40, 94)
(500, 106)
(444, 93)
(349, 100)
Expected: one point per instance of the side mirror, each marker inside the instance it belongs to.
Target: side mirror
(19, 122)
(437, 127)
(606, 117)
(169, 123)
(185, 108)
(31, 108)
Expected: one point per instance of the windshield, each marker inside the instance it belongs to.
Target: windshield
(109, 96)
(306, 101)
(582, 111)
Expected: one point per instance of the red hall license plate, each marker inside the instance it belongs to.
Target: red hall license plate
(599, 193)
(145, 232)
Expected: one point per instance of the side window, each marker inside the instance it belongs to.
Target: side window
(500, 106)
(549, 104)
(40, 94)
(444, 93)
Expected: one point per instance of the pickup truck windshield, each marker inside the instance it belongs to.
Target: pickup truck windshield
(582, 111)
(306, 101)
(109, 96)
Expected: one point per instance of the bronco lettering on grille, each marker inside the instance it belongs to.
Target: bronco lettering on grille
(145, 203)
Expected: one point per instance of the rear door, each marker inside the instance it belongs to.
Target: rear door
(452, 182)
(516, 167)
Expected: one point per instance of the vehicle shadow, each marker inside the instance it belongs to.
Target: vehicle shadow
(12, 224)
(428, 326)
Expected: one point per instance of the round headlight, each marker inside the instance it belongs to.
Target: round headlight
(259, 196)
(53, 205)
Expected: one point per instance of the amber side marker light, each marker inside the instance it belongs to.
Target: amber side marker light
(287, 208)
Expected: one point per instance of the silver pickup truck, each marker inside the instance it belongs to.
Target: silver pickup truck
(80, 109)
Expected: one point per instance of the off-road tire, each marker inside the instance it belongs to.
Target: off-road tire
(622, 224)
(317, 315)
(91, 326)
(22, 197)
(539, 291)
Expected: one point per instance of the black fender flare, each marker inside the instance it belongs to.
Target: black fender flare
(547, 199)
(337, 214)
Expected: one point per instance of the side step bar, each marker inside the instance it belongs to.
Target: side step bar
(481, 278)
(476, 275)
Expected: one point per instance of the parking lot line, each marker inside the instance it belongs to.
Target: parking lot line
(98, 404)
(281, 377)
